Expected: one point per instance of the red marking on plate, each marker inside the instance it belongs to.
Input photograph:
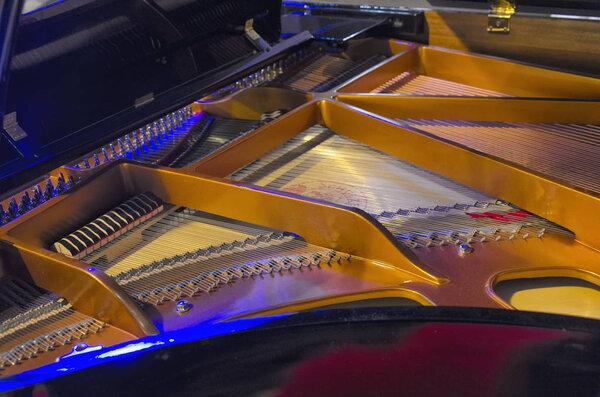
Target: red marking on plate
(509, 217)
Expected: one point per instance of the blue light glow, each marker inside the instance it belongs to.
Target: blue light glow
(132, 348)
(28, 10)
(89, 358)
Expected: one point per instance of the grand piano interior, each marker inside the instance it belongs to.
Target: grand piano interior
(173, 164)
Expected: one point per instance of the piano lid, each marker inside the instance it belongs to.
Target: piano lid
(70, 66)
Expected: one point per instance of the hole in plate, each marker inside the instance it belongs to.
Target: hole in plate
(559, 295)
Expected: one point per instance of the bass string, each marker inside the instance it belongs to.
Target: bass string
(566, 139)
(572, 139)
(533, 147)
(319, 71)
(409, 83)
(355, 69)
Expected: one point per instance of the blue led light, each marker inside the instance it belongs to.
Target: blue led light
(90, 357)
(131, 348)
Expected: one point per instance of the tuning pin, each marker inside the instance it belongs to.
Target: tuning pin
(139, 140)
(164, 131)
(86, 163)
(113, 151)
(25, 204)
(61, 185)
(176, 120)
(49, 192)
(13, 208)
(37, 198)
(70, 182)
(105, 157)
(128, 144)
(96, 160)
(3, 215)
(152, 132)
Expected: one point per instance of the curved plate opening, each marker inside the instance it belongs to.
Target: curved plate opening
(559, 295)
(373, 302)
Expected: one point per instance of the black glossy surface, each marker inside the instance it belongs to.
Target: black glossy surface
(8, 153)
(80, 62)
(327, 27)
(410, 351)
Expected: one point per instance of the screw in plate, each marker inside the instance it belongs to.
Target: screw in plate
(183, 307)
(465, 249)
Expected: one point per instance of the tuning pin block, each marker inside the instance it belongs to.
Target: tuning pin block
(3, 215)
(25, 204)
(129, 144)
(139, 140)
(113, 151)
(61, 184)
(49, 192)
(150, 133)
(13, 208)
(121, 146)
(105, 157)
(36, 198)
(70, 182)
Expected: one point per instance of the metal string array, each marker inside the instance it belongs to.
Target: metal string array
(34, 321)
(148, 144)
(321, 164)
(264, 75)
(184, 253)
(409, 83)
(356, 69)
(565, 151)
(35, 196)
(223, 131)
(329, 71)
(465, 224)
(152, 142)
